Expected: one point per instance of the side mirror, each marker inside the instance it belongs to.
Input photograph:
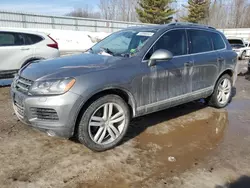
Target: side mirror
(160, 55)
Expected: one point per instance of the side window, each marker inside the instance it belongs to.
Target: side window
(217, 41)
(200, 41)
(174, 41)
(11, 39)
(32, 39)
(7, 39)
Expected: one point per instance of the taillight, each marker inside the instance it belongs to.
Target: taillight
(54, 45)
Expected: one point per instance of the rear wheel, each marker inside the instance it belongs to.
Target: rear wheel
(222, 92)
(104, 123)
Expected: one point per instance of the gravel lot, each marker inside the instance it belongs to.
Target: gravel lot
(207, 147)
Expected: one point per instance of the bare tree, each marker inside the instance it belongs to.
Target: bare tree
(85, 12)
(239, 13)
(229, 13)
(123, 10)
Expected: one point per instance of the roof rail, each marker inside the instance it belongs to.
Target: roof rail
(191, 24)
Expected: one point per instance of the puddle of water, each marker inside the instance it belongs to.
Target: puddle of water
(187, 143)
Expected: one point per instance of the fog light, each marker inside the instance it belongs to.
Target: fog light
(51, 133)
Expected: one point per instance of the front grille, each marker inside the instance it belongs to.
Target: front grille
(23, 84)
(44, 114)
(19, 109)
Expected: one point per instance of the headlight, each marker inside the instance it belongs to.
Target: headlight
(52, 87)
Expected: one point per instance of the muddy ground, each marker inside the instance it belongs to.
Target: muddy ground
(208, 148)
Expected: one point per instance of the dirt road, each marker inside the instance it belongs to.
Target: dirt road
(188, 146)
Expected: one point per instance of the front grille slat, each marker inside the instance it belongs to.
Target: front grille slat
(44, 114)
(23, 88)
(23, 85)
(25, 82)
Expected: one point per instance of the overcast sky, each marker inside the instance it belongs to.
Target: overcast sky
(56, 7)
(51, 7)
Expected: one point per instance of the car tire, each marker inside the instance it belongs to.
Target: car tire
(104, 123)
(222, 94)
(243, 55)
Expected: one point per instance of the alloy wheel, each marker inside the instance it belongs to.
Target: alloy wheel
(224, 91)
(106, 123)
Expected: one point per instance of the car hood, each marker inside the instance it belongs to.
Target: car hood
(70, 66)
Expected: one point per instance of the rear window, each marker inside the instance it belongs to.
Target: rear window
(33, 39)
(218, 42)
(11, 39)
(236, 41)
(200, 41)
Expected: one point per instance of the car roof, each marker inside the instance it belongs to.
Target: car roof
(22, 30)
(172, 25)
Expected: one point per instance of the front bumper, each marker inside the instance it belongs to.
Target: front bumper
(238, 53)
(65, 108)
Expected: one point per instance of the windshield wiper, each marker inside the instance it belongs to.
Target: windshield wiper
(90, 50)
(107, 50)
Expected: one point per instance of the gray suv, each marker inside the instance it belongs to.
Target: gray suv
(130, 73)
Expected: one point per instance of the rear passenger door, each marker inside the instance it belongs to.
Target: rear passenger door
(33, 42)
(13, 50)
(205, 58)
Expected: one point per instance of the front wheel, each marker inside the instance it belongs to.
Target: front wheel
(222, 92)
(104, 123)
(243, 56)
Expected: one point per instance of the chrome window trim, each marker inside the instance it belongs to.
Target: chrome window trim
(225, 46)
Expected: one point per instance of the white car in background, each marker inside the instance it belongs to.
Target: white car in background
(19, 47)
(247, 45)
(238, 45)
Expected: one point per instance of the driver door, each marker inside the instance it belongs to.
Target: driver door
(168, 82)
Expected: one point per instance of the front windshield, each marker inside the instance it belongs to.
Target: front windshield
(123, 43)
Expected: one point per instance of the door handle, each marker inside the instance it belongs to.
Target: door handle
(25, 48)
(220, 59)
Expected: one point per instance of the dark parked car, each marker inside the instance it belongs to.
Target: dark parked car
(130, 73)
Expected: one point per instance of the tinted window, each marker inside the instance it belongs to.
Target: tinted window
(235, 41)
(33, 39)
(200, 41)
(217, 41)
(174, 41)
(11, 39)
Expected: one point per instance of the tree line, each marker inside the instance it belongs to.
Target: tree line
(217, 13)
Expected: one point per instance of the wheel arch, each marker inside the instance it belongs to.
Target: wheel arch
(31, 59)
(230, 72)
(121, 92)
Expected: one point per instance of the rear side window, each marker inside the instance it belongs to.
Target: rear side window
(11, 39)
(200, 41)
(174, 41)
(33, 39)
(217, 41)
